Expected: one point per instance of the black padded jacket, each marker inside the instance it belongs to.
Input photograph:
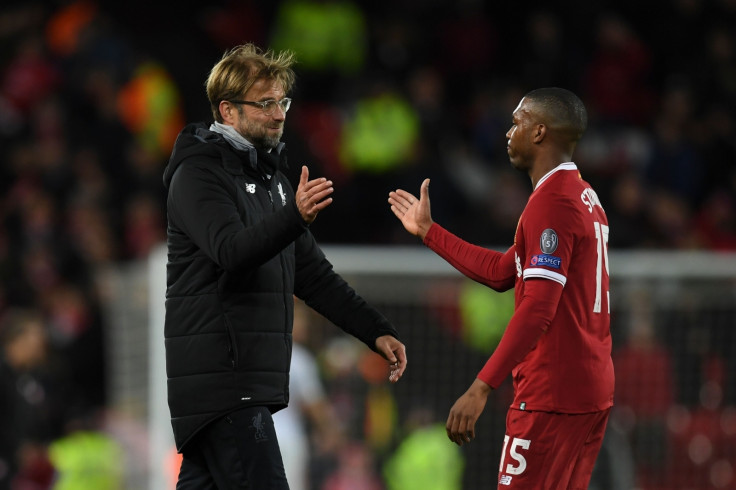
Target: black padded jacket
(238, 250)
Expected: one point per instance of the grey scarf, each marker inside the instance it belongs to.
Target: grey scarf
(231, 135)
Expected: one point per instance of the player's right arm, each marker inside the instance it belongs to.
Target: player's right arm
(494, 269)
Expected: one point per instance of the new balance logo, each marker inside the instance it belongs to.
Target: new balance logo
(504, 480)
(250, 188)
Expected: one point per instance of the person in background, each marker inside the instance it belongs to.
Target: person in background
(557, 344)
(423, 460)
(23, 347)
(309, 411)
(239, 249)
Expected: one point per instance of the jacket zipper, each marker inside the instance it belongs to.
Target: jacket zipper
(269, 183)
(232, 348)
(283, 280)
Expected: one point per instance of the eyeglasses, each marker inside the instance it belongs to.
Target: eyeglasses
(267, 106)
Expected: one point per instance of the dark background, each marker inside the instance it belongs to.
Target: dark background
(85, 132)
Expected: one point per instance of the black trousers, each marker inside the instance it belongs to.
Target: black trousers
(237, 451)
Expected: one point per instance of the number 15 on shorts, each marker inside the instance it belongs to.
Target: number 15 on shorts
(517, 466)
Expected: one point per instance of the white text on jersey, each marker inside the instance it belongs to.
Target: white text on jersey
(590, 199)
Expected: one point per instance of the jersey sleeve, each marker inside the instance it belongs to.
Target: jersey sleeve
(494, 269)
(548, 234)
(531, 319)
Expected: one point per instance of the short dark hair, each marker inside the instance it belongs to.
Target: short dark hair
(561, 109)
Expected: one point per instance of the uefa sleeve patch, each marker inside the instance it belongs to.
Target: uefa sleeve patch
(545, 260)
(548, 241)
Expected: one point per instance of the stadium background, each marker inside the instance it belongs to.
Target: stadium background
(91, 95)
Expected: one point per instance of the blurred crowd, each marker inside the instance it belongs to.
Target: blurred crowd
(92, 95)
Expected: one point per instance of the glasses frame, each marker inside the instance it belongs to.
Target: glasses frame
(284, 104)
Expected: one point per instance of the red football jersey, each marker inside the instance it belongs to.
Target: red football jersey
(558, 343)
(562, 236)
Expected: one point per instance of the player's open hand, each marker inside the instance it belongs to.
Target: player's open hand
(465, 412)
(312, 196)
(395, 353)
(415, 214)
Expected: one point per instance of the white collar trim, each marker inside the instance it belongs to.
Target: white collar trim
(562, 166)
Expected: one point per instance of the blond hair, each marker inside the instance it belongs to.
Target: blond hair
(239, 69)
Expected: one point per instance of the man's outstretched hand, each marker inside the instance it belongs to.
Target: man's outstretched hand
(312, 195)
(414, 214)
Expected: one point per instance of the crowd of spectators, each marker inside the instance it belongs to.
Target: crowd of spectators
(92, 95)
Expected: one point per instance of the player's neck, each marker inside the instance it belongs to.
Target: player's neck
(540, 171)
(544, 164)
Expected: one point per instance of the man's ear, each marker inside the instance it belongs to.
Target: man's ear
(227, 112)
(540, 131)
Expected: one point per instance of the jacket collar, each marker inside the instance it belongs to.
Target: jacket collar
(233, 159)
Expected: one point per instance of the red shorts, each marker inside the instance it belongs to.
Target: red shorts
(550, 451)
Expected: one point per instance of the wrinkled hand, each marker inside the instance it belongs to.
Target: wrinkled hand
(465, 412)
(395, 353)
(414, 214)
(311, 195)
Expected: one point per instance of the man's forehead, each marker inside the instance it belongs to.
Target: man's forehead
(523, 107)
(264, 86)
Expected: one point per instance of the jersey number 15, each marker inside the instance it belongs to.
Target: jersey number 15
(601, 236)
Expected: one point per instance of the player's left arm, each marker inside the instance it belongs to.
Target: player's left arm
(531, 319)
(549, 232)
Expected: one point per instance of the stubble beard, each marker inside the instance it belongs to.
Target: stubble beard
(257, 134)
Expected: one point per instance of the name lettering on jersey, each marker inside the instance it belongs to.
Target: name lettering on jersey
(590, 199)
(545, 260)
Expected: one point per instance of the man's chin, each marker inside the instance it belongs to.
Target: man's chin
(517, 165)
(267, 144)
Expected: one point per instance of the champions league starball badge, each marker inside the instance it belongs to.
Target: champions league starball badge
(548, 241)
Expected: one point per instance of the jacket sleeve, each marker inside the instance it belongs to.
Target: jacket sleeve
(329, 294)
(202, 204)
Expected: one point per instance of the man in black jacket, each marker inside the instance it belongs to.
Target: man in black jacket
(239, 249)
